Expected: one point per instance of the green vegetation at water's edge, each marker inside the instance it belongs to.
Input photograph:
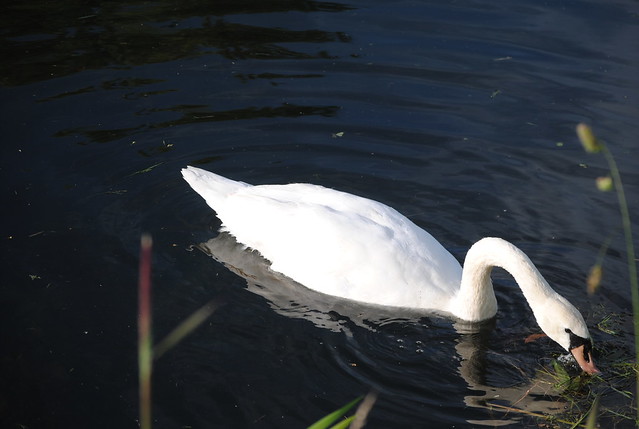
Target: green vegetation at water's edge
(622, 369)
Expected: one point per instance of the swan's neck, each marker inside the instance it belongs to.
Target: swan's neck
(475, 300)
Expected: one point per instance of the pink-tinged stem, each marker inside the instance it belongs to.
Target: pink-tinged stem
(145, 356)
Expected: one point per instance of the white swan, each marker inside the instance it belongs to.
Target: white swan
(355, 248)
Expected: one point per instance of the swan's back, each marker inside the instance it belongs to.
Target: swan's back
(334, 242)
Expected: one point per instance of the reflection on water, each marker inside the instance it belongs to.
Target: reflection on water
(290, 299)
(197, 114)
(121, 36)
(537, 394)
(66, 37)
(283, 294)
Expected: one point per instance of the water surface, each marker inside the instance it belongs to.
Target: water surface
(460, 115)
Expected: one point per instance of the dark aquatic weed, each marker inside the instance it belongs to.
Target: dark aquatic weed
(146, 170)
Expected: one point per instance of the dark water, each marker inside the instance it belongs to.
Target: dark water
(459, 114)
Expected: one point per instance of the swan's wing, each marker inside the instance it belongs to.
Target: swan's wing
(342, 245)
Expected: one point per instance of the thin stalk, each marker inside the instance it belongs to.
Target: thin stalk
(591, 423)
(145, 345)
(630, 252)
(592, 144)
(184, 329)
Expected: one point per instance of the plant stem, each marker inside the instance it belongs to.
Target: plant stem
(145, 355)
(184, 328)
(630, 252)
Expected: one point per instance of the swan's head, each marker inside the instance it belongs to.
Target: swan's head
(562, 322)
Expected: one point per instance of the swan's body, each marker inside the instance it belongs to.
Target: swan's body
(355, 248)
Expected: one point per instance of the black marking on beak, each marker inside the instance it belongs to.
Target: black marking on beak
(576, 341)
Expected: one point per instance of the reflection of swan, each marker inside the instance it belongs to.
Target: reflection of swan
(290, 299)
(355, 248)
(537, 395)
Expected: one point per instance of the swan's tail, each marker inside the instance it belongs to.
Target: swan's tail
(212, 187)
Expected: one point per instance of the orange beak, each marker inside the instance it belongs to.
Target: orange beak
(587, 364)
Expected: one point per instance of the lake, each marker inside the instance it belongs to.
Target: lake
(461, 115)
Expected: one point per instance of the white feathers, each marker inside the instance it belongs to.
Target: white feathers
(355, 248)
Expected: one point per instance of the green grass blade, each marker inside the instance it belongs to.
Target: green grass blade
(326, 421)
(591, 423)
(184, 329)
(344, 423)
